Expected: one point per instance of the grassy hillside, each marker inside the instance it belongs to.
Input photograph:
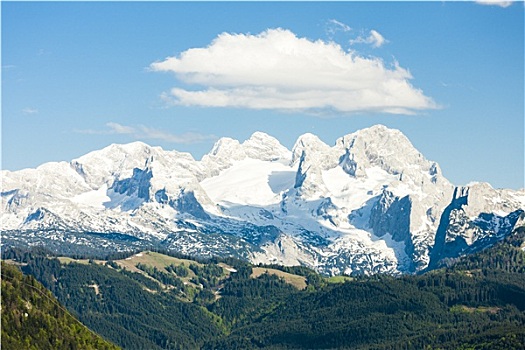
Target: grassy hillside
(33, 319)
(154, 259)
(298, 282)
(154, 301)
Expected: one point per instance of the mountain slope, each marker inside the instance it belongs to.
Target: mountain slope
(371, 203)
(33, 319)
(476, 303)
(132, 310)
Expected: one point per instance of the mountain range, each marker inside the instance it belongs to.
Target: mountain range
(371, 203)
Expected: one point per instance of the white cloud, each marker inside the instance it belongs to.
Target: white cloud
(333, 26)
(278, 70)
(374, 38)
(147, 133)
(495, 3)
(186, 138)
(120, 129)
(30, 110)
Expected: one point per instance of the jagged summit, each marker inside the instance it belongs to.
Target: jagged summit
(309, 143)
(380, 146)
(375, 137)
(259, 146)
(262, 137)
(370, 203)
(118, 161)
(134, 149)
(224, 144)
(265, 147)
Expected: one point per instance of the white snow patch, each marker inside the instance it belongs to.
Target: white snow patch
(337, 180)
(249, 182)
(281, 180)
(95, 199)
(122, 201)
(352, 193)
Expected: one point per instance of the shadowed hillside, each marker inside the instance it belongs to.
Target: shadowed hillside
(33, 319)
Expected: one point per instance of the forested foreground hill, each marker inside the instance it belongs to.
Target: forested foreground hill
(154, 301)
(33, 319)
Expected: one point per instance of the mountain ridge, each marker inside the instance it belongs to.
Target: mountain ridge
(370, 203)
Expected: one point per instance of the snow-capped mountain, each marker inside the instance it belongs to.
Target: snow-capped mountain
(371, 203)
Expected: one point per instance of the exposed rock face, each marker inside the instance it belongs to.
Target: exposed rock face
(391, 215)
(137, 185)
(187, 203)
(371, 203)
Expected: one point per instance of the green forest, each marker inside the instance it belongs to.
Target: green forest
(164, 301)
(32, 318)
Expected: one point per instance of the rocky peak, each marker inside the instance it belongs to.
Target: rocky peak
(389, 149)
(312, 156)
(113, 162)
(226, 151)
(226, 147)
(310, 143)
(136, 149)
(310, 149)
(265, 147)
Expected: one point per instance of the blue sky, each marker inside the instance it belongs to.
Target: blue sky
(77, 77)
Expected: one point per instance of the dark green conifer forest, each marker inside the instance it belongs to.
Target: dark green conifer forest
(477, 302)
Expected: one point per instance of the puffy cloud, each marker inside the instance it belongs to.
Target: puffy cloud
(144, 132)
(278, 70)
(495, 3)
(376, 39)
